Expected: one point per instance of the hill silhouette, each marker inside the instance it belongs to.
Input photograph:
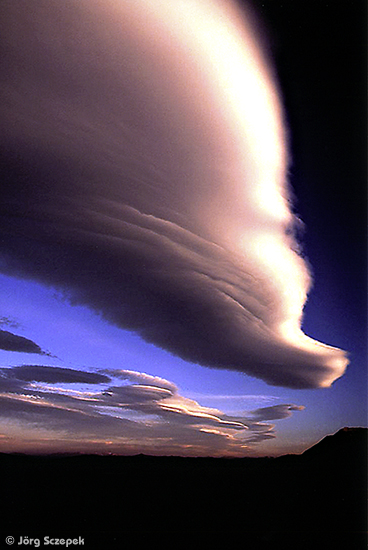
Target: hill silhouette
(322, 491)
(346, 442)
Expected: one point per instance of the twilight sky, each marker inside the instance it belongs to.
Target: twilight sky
(182, 226)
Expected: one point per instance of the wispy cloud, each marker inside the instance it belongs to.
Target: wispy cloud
(9, 322)
(135, 411)
(144, 173)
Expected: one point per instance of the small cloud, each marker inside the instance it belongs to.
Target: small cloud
(135, 395)
(259, 437)
(141, 378)
(13, 342)
(276, 412)
(51, 375)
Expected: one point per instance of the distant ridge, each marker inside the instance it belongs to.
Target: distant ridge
(353, 440)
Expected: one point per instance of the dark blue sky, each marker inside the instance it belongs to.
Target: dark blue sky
(320, 52)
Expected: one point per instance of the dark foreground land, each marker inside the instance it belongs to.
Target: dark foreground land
(320, 493)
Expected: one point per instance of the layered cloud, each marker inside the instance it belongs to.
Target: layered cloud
(130, 411)
(144, 175)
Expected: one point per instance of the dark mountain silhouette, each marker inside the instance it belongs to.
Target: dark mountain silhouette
(321, 492)
(343, 444)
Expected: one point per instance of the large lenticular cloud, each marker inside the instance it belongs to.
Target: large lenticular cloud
(145, 174)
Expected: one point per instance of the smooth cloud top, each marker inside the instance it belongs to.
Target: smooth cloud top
(35, 373)
(145, 175)
(14, 342)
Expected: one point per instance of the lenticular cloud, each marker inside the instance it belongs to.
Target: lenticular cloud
(145, 175)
